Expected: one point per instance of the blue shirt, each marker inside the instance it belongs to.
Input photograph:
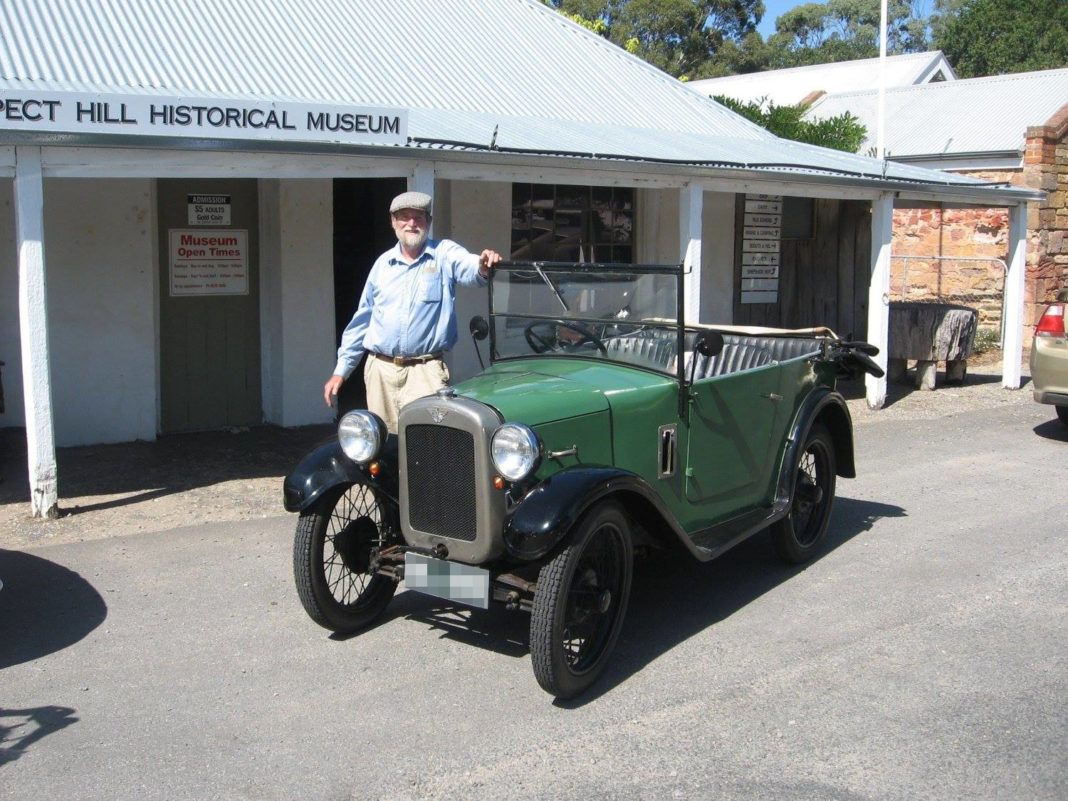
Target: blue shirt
(408, 309)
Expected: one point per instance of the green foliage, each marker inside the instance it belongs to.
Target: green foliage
(843, 132)
(993, 37)
(680, 37)
(710, 38)
(841, 30)
(986, 339)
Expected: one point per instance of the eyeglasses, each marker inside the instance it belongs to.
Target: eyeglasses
(403, 215)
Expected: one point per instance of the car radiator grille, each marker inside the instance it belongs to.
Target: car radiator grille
(441, 481)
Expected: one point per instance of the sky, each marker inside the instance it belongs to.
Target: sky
(772, 9)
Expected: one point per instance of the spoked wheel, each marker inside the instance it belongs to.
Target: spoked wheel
(580, 602)
(332, 553)
(797, 536)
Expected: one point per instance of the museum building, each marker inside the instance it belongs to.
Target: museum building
(192, 194)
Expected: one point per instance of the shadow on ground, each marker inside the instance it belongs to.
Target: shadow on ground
(145, 470)
(21, 728)
(44, 607)
(1052, 429)
(896, 391)
(673, 599)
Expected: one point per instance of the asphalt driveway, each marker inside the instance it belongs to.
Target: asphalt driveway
(922, 656)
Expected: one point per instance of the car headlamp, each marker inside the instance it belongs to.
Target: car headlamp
(361, 434)
(515, 450)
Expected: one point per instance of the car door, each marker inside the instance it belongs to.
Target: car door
(729, 448)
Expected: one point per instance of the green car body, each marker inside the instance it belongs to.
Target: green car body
(621, 445)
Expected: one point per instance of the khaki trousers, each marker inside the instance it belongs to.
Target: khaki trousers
(390, 387)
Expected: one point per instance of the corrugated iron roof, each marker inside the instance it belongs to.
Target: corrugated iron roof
(977, 115)
(788, 87)
(462, 68)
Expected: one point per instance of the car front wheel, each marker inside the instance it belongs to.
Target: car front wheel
(1062, 413)
(332, 558)
(580, 603)
(797, 536)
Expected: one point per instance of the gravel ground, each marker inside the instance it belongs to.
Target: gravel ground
(225, 476)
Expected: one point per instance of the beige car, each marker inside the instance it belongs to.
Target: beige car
(1049, 358)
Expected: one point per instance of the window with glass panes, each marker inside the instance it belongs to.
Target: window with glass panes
(572, 223)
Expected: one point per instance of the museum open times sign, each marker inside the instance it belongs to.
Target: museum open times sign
(208, 262)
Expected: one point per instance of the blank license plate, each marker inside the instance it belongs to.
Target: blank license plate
(450, 580)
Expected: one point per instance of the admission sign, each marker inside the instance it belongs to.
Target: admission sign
(150, 115)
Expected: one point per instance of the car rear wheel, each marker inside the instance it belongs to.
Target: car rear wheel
(798, 535)
(332, 553)
(1062, 413)
(580, 603)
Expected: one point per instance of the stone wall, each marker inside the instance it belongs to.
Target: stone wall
(1046, 168)
(983, 233)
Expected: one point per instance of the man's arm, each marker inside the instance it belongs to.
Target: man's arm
(351, 350)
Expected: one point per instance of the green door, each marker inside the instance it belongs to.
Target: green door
(209, 304)
(728, 449)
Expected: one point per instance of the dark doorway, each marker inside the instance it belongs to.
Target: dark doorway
(361, 234)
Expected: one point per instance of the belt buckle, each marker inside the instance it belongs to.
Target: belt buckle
(398, 361)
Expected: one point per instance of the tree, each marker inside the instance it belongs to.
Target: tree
(680, 37)
(993, 37)
(843, 132)
(841, 30)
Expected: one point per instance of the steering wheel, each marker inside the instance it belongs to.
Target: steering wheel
(539, 343)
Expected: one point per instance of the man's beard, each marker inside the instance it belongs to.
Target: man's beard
(412, 241)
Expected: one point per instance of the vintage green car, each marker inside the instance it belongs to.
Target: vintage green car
(603, 427)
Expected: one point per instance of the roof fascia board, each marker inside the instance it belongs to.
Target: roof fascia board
(100, 162)
(991, 160)
(84, 162)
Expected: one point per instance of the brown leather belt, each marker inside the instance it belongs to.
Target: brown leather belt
(406, 361)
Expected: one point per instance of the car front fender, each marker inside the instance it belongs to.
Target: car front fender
(327, 466)
(829, 408)
(548, 512)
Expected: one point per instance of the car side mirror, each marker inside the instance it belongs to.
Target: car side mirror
(709, 343)
(479, 328)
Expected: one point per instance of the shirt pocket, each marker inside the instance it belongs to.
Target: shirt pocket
(430, 287)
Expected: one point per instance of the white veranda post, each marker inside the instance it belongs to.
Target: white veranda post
(882, 219)
(33, 332)
(1012, 348)
(691, 207)
(421, 179)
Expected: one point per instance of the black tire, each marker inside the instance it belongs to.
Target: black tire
(331, 554)
(798, 535)
(1062, 414)
(581, 601)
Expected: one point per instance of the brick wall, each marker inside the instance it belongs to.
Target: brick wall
(984, 233)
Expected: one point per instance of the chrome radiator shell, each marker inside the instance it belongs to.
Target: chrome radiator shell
(446, 478)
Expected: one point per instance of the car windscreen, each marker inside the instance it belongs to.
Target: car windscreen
(618, 314)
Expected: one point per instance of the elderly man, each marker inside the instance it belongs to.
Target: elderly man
(406, 317)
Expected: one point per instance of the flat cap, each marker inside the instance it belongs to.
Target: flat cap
(411, 200)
